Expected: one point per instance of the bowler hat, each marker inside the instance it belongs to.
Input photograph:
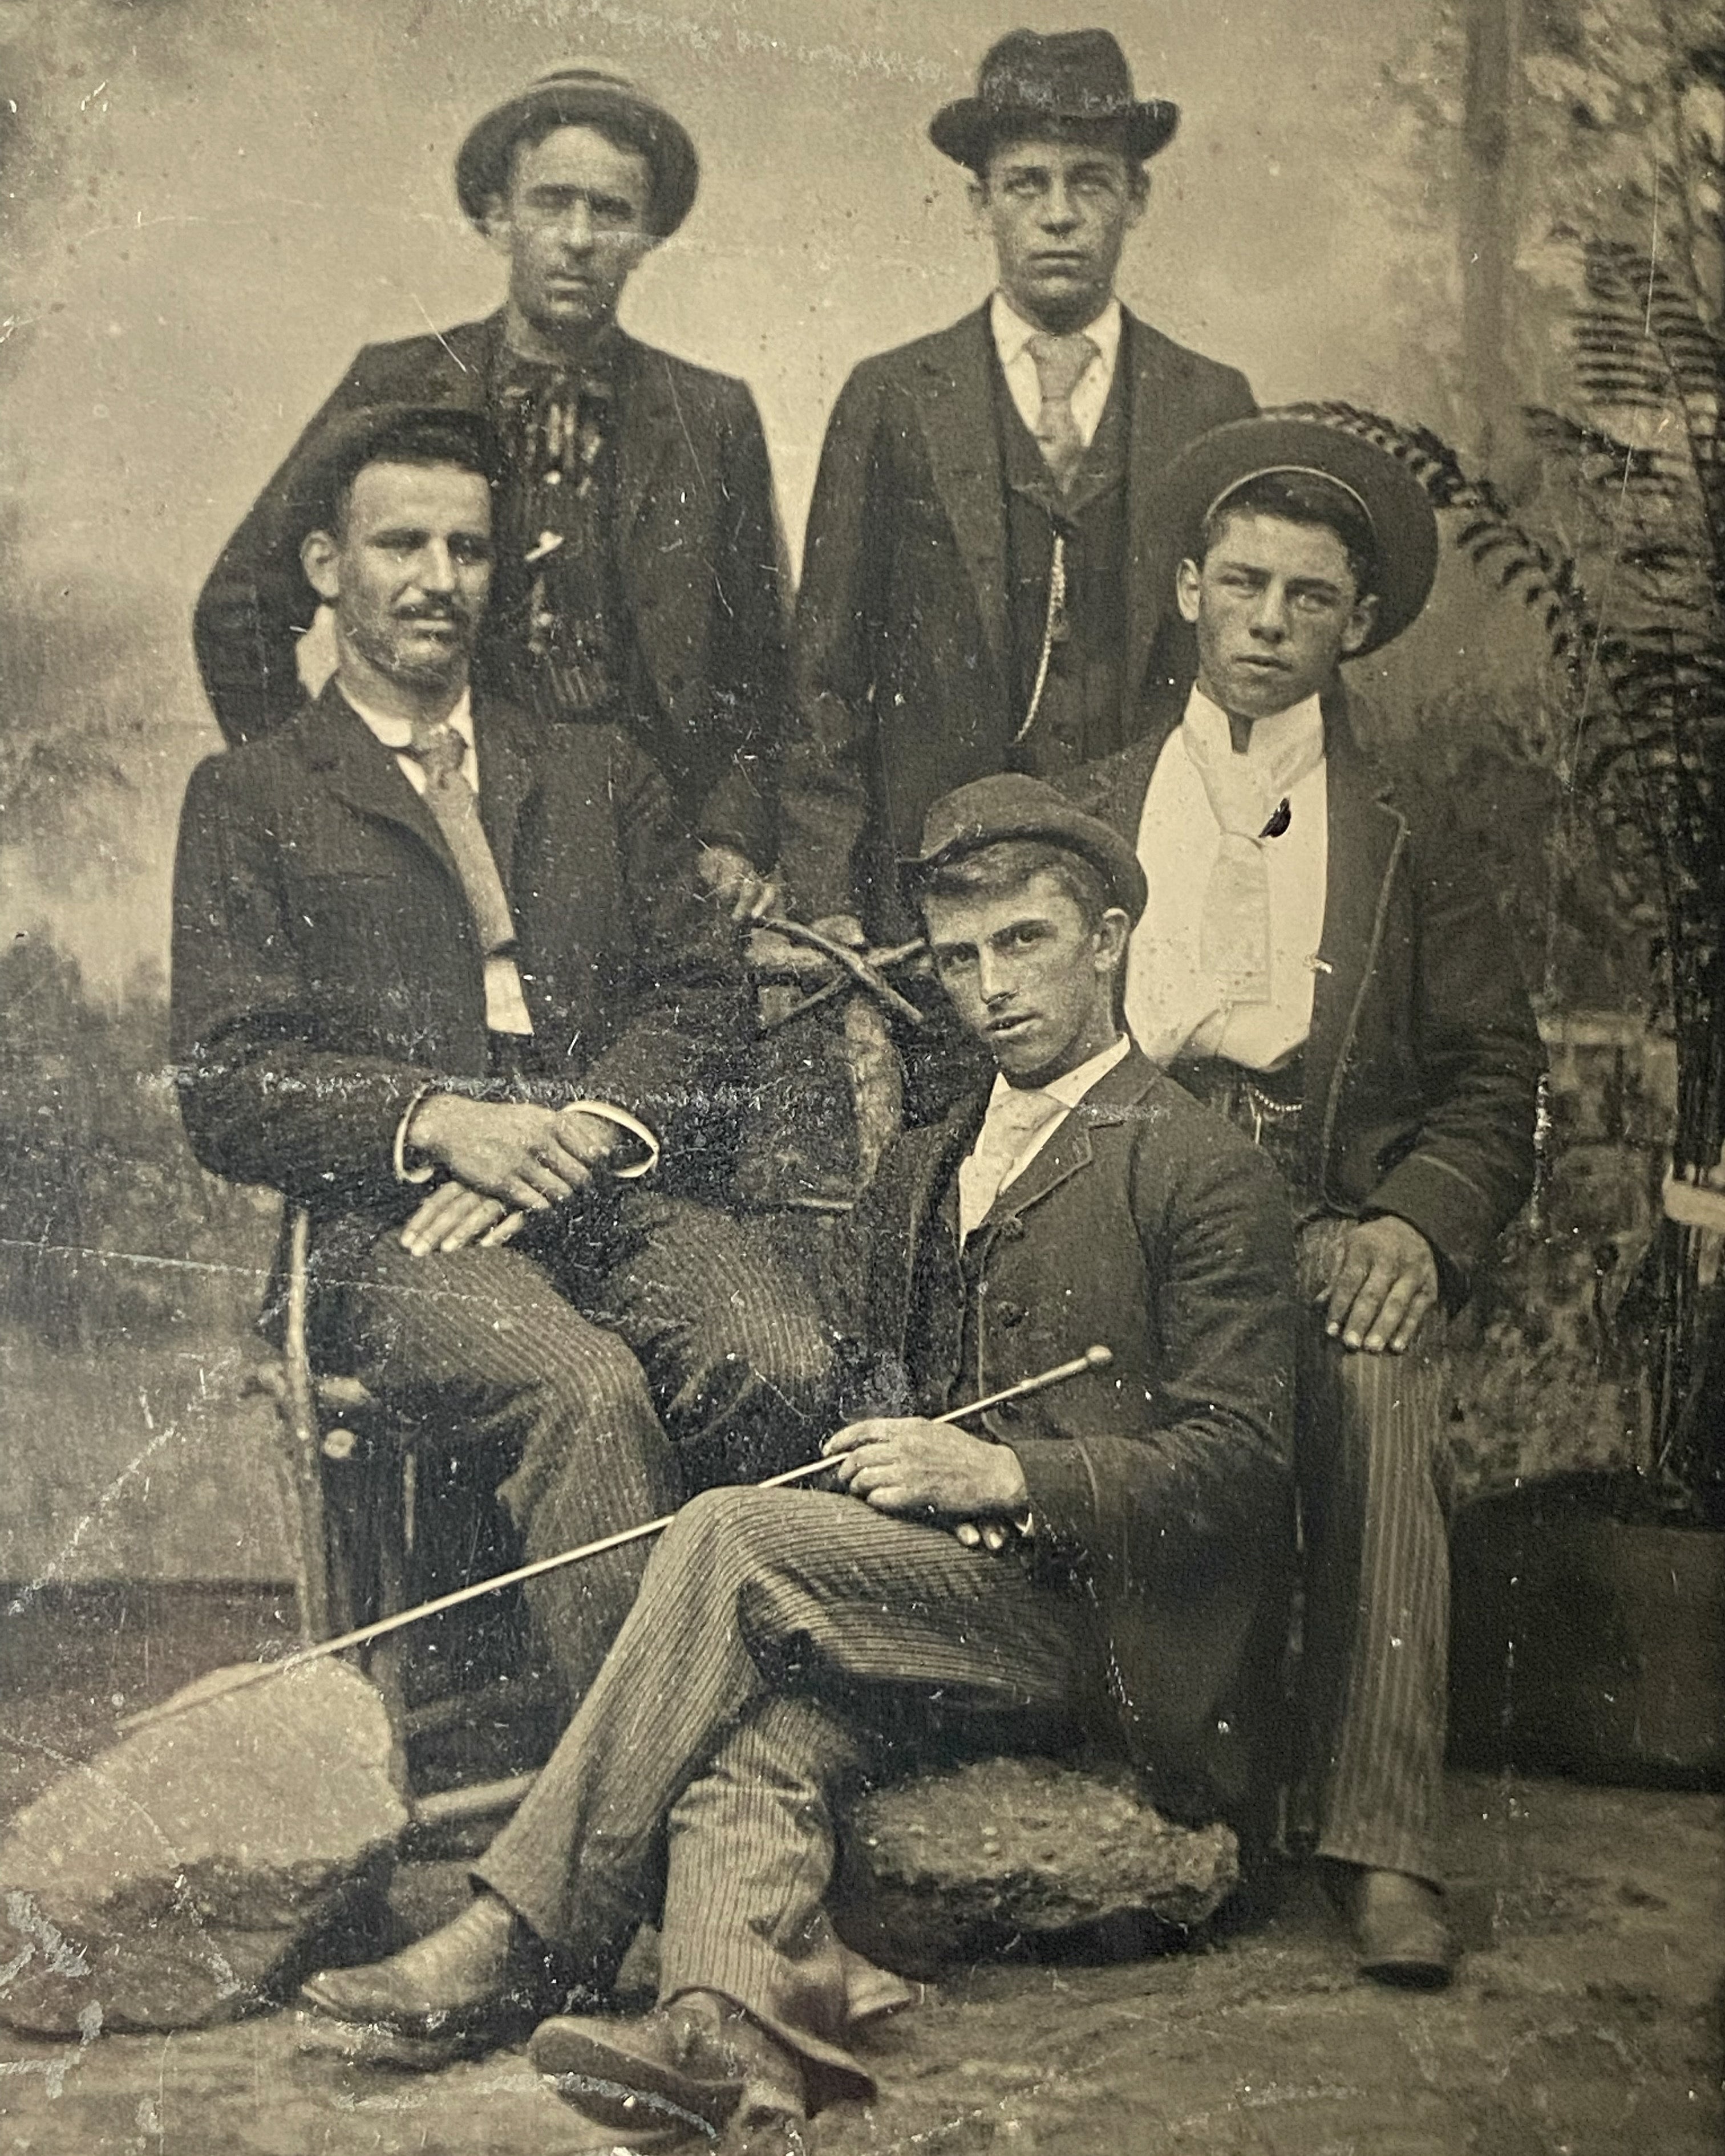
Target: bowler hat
(1030, 83)
(1397, 508)
(988, 812)
(342, 448)
(582, 97)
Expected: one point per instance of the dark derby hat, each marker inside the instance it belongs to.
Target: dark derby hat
(342, 449)
(582, 97)
(988, 812)
(1032, 83)
(1395, 504)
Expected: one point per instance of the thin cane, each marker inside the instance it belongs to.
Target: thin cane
(1096, 1358)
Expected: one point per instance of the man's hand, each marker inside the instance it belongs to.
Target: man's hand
(528, 1157)
(450, 1219)
(1386, 1281)
(733, 877)
(915, 1468)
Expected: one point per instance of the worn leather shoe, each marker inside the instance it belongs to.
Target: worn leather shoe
(478, 1979)
(1398, 1927)
(684, 2067)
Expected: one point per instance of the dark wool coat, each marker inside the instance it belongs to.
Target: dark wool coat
(325, 967)
(905, 668)
(1423, 1067)
(1160, 1487)
(699, 549)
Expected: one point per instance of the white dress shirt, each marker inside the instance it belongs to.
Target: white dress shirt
(505, 1005)
(1171, 1006)
(1012, 341)
(1061, 1097)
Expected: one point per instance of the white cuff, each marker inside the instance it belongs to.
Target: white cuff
(404, 1173)
(625, 1122)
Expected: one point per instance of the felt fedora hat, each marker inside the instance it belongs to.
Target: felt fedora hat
(580, 97)
(988, 812)
(1031, 82)
(1403, 521)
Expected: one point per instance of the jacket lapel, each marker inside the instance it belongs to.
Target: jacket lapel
(1155, 436)
(954, 393)
(509, 770)
(933, 1171)
(340, 750)
(1110, 1100)
(1365, 844)
(651, 425)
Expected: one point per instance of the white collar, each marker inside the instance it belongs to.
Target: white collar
(1012, 332)
(398, 733)
(1272, 740)
(1069, 1090)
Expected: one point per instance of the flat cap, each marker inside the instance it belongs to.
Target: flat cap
(990, 812)
(580, 97)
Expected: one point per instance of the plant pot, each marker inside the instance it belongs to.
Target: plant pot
(1586, 1640)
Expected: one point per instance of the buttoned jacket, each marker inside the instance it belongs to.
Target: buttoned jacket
(1423, 1066)
(904, 684)
(1159, 1488)
(699, 550)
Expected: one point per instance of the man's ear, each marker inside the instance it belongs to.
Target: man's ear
(1359, 624)
(497, 225)
(976, 190)
(1188, 583)
(320, 557)
(1138, 199)
(1112, 932)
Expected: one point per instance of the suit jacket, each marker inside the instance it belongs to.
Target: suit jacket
(1422, 1066)
(904, 666)
(325, 968)
(1159, 1488)
(699, 547)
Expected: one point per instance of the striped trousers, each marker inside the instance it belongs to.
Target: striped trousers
(1372, 1469)
(657, 1354)
(778, 1638)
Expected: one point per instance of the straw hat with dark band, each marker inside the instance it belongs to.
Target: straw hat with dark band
(1030, 83)
(1394, 503)
(989, 812)
(582, 97)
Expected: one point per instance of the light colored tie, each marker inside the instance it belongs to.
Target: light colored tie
(440, 752)
(1012, 1121)
(1245, 794)
(1060, 364)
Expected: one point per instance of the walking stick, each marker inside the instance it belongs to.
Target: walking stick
(1096, 1358)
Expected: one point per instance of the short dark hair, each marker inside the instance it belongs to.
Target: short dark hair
(533, 133)
(1306, 498)
(1010, 864)
(421, 438)
(1088, 134)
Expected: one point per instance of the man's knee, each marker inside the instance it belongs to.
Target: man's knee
(734, 1532)
(770, 1343)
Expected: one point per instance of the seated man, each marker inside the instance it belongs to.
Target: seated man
(441, 980)
(1118, 1564)
(1321, 960)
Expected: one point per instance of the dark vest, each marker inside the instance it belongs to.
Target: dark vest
(1079, 718)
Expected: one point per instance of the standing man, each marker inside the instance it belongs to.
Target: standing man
(1111, 1553)
(440, 975)
(1320, 960)
(638, 574)
(988, 555)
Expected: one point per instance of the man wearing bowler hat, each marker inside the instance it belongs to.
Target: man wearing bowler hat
(1104, 1560)
(638, 556)
(1321, 960)
(980, 591)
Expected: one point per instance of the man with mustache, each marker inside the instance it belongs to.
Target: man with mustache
(446, 980)
(1320, 961)
(1104, 1563)
(637, 558)
(979, 588)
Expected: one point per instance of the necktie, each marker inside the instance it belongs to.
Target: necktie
(1061, 363)
(1245, 793)
(1012, 1121)
(440, 752)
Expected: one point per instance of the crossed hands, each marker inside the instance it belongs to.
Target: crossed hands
(1386, 1281)
(505, 1159)
(920, 1469)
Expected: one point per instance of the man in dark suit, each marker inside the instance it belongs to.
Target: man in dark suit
(981, 589)
(445, 980)
(637, 577)
(1320, 960)
(1107, 1555)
